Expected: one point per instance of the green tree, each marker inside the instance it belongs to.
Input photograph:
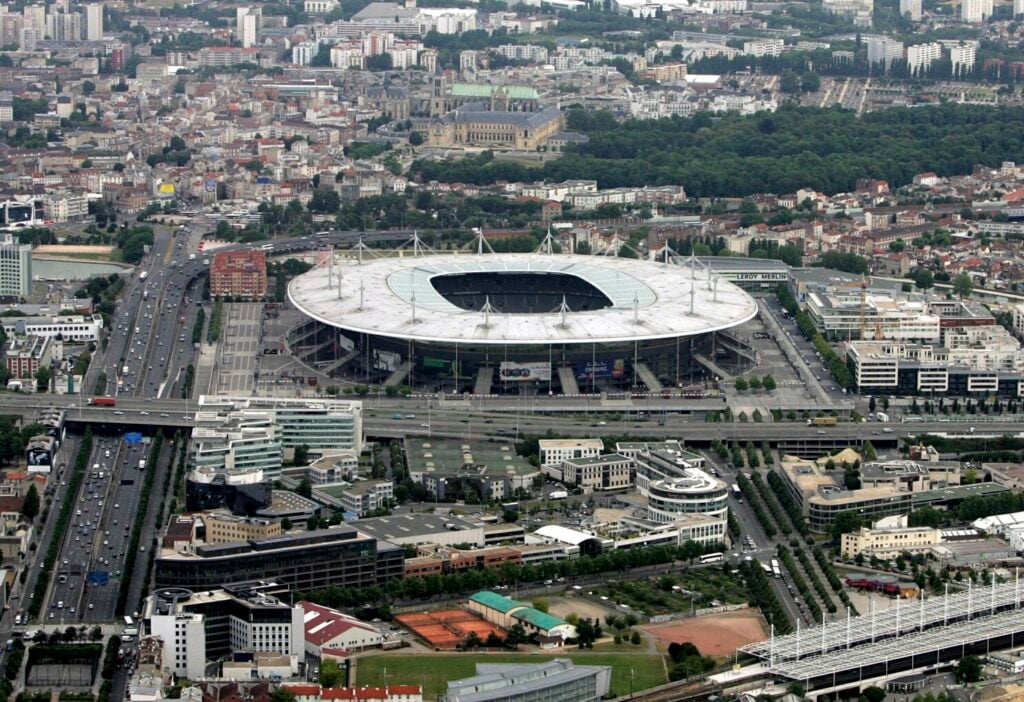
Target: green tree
(304, 488)
(331, 674)
(741, 385)
(30, 508)
(810, 82)
(510, 516)
(516, 635)
(415, 138)
(873, 694)
(301, 458)
(541, 604)
(844, 523)
(283, 694)
(962, 285)
(968, 670)
(923, 278)
(789, 82)
(768, 383)
(43, 378)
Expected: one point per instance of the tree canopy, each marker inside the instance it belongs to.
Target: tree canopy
(795, 147)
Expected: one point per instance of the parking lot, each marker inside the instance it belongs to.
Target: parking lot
(238, 346)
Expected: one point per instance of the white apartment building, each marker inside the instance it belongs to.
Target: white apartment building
(763, 47)
(93, 21)
(921, 56)
(184, 640)
(975, 11)
(304, 52)
(405, 53)
(1018, 8)
(15, 268)
(209, 625)
(347, 55)
(963, 58)
(319, 7)
(247, 25)
(882, 50)
(911, 8)
(523, 52)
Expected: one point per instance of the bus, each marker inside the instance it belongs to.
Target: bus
(712, 558)
(737, 493)
(776, 571)
(128, 621)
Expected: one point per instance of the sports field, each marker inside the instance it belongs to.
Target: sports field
(433, 671)
(715, 635)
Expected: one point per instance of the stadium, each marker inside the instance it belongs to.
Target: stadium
(491, 322)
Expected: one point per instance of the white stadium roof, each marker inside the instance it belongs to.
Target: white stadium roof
(393, 297)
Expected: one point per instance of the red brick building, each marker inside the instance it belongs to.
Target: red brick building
(239, 274)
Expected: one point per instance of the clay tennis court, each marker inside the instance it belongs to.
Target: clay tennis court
(715, 635)
(446, 629)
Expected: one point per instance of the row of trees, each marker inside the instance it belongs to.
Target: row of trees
(507, 574)
(763, 595)
(837, 367)
(750, 492)
(798, 581)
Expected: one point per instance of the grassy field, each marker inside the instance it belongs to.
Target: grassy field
(433, 671)
(657, 597)
(330, 490)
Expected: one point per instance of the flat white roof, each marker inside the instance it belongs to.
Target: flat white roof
(649, 300)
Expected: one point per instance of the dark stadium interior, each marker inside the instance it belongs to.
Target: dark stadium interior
(520, 293)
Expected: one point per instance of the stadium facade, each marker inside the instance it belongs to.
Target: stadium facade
(494, 322)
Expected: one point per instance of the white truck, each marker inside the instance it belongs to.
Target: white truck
(559, 495)
(882, 416)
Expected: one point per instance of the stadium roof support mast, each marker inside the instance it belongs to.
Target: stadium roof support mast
(563, 311)
(547, 245)
(480, 242)
(693, 281)
(487, 309)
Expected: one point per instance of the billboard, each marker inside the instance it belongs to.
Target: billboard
(601, 368)
(167, 188)
(510, 370)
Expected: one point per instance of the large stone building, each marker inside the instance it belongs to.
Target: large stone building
(473, 124)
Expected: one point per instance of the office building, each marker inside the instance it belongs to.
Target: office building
(890, 541)
(324, 426)
(419, 528)
(197, 627)
(975, 11)
(450, 470)
(15, 268)
(26, 355)
(367, 496)
(554, 451)
(302, 561)
(559, 679)
(239, 274)
(911, 9)
(76, 328)
(608, 472)
(93, 13)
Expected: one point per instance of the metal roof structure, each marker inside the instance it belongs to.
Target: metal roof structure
(937, 613)
(906, 652)
(393, 297)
